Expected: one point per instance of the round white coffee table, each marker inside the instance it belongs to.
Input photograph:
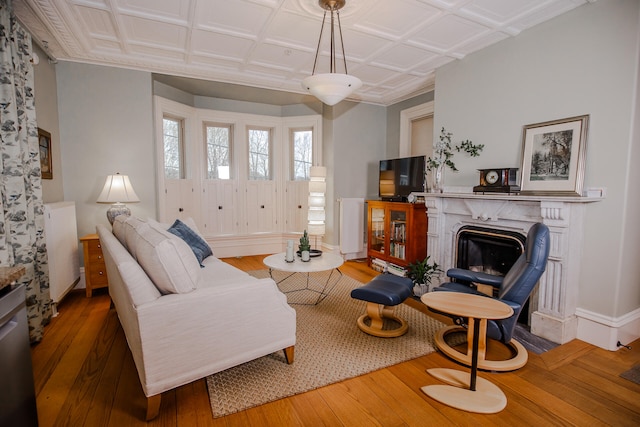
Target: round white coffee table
(325, 262)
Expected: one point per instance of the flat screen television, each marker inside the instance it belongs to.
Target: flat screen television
(399, 177)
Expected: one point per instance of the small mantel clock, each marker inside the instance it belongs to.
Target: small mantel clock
(497, 180)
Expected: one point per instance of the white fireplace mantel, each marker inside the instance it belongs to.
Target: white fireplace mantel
(554, 309)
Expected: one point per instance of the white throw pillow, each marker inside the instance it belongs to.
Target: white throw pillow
(132, 228)
(168, 261)
(118, 229)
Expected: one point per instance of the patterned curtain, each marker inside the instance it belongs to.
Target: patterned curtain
(22, 221)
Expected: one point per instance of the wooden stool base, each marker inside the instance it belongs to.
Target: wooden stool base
(486, 399)
(376, 313)
(516, 362)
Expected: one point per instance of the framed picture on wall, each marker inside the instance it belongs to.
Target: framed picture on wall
(44, 142)
(553, 157)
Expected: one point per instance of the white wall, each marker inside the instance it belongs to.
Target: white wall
(582, 62)
(106, 126)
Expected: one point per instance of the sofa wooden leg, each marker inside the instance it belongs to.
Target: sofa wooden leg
(153, 406)
(288, 354)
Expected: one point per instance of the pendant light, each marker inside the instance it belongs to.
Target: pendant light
(331, 87)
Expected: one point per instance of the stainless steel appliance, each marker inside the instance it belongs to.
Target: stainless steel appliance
(17, 392)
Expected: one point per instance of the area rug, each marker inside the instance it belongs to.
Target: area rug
(632, 374)
(329, 348)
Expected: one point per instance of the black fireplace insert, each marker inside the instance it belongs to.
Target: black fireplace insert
(491, 251)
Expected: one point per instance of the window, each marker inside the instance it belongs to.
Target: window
(302, 147)
(259, 154)
(173, 148)
(218, 150)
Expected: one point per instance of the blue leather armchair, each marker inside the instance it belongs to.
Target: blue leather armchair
(513, 289)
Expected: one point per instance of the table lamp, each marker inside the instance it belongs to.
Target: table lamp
(117, 191)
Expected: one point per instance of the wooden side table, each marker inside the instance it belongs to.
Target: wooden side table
(95, 270)
(480, 395)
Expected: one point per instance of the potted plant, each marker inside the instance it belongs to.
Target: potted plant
(304, 246)
(443, 153)
(421, 273)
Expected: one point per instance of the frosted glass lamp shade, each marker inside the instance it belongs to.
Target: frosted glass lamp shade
(117, 190)
(331, 88)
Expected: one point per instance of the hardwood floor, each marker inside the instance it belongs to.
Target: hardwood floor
(85, 375)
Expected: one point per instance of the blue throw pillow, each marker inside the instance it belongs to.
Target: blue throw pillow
(199, 247)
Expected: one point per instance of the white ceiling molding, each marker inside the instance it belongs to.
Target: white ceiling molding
(394, 46)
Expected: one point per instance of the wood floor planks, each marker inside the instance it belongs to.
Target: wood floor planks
(85, 375)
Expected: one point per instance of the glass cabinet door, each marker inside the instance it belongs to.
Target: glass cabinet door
(398, 234)
(377, 229)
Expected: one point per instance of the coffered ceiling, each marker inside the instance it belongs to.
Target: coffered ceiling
(393, 46)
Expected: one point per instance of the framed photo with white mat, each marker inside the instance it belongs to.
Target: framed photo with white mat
(553, 157)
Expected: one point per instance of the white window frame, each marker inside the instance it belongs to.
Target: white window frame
(205, 125)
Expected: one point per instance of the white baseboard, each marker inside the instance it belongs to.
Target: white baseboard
(606, 332)
(82, 283)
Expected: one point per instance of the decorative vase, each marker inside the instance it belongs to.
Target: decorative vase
(438, 179)
(305, 256)
(420, 289)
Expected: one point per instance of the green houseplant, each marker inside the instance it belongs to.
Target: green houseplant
(304, 246)
(443, 154)
(421, 273)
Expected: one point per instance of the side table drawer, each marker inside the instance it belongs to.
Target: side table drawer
(98, 275)
(95, 271)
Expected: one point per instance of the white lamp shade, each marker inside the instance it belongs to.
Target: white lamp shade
(315, 229)
(331, 88)
(317, 187)
(316, 215)
(316, 200)
(319, 172)
(118, 189)
(317, 190)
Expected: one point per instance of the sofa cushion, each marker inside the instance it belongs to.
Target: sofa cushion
(218, 273)
(118, 229)
(167, 260)
(133, 227)
(197, 244)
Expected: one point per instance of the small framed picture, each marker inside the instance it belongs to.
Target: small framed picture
(553, 157)
(44, 141)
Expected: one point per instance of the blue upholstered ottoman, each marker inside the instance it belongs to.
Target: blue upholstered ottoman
(382, 294)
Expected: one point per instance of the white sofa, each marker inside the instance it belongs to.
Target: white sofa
(183, 322)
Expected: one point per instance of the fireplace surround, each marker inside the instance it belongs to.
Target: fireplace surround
(553, 307)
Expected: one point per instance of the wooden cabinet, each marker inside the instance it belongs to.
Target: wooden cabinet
(396, 233)
(95, 271)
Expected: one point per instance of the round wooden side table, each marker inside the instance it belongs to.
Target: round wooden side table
(465, 390)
